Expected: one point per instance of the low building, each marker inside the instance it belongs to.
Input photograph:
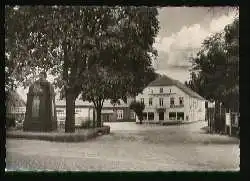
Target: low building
(15, 107)
(85, 111)
(168, 100)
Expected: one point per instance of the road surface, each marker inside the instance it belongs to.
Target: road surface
(130, 147)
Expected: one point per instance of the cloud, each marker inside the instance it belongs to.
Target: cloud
(176, 49)
(218, 25)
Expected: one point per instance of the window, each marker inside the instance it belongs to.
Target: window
(181, 100)
(145, 116)
(161, 101)
(180, 115)
(150, 101)
(60, 113)
(152, 91)
(77, 110)
(151, 116)
(161, 90)
(119, 114)
(142, 100)
(172, 115)
(169, 90)
(171, 102)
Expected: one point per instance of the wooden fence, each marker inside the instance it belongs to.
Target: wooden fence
(220, 121)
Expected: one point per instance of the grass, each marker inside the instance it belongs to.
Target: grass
(59, 136)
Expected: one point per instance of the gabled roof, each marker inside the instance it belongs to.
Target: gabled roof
(167, 81)
(162, 80)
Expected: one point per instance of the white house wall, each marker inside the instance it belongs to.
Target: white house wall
(190, 109)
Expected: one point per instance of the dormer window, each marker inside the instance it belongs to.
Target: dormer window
(161, 90)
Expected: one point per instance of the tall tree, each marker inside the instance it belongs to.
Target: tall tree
(124, 66)
(67, 41)
(60, 39)
(217, 64)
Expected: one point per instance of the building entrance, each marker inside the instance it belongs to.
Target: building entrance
(161, 116)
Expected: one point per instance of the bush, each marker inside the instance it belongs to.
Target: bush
(138, 108)
(10, 122)
(86, 124)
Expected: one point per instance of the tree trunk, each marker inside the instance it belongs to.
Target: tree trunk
(140, 119)
(98, 115)
(217, 116)
(94, 122)
(70, 113)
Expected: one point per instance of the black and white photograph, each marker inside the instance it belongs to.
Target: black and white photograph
(122, 88)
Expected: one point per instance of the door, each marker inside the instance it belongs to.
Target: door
(161, 116)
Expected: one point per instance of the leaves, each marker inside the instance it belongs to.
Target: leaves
(138, 108)
(218, 66)
(101, 51)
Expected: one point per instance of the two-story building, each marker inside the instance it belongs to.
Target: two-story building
(168, 100)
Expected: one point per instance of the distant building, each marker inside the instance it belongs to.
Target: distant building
(15, 106)
(85, 111)
(169, 100)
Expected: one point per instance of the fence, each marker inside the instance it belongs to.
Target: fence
(232, 123)
(219, 121)
(216, 120)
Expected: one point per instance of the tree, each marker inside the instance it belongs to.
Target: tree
(138, 108)
(217, 64)
(47, 38)
(124, 66)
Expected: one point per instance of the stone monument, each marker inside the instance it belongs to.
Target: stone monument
(40, 108)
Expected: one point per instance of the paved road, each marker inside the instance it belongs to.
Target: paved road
(130, 147)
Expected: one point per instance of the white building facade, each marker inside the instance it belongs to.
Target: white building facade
(167, 100)
(85, 111)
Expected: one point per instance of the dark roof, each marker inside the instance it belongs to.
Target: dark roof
(164, 80)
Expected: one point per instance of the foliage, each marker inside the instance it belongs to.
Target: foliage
(215, 74)
(47, 38)
(125, 68)
(10, 122)
(138, 108)
(86, 124)
(68, 41)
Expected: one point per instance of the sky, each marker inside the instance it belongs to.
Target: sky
(182, 30)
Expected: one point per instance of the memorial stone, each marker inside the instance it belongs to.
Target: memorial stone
(40, 108)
